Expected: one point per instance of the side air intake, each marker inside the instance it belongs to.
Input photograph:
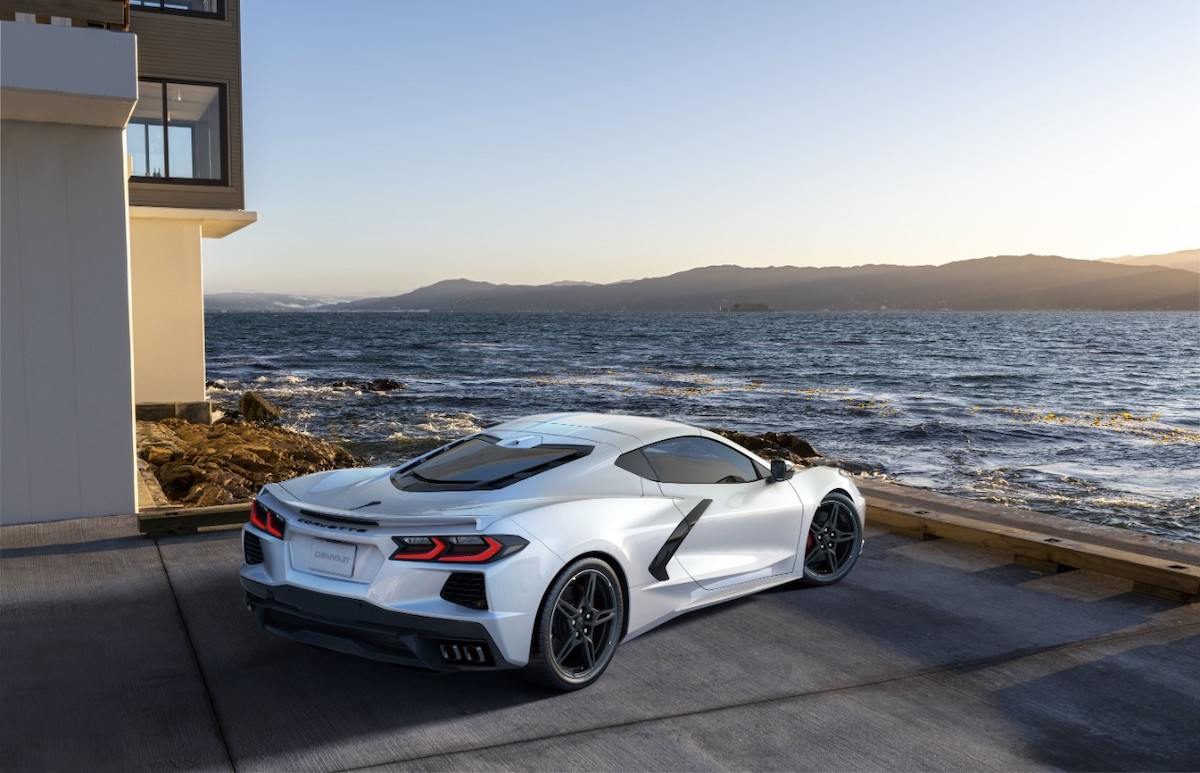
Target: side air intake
(466, 589)
(252, 548)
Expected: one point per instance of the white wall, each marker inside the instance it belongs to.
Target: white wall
(71, 75)
(66, 377)
(168, 310)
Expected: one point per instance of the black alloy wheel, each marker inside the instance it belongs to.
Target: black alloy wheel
(578, 627)
(835, 541)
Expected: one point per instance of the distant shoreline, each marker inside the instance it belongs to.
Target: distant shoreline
(780, 312)
(997, 283)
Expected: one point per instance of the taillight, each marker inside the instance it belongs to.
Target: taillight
(472, 550)
(262, 517)
(418, 548)
(459, 550)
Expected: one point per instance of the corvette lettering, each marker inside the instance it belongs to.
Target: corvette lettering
(334, 527)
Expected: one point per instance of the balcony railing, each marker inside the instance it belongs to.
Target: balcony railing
(106, 14)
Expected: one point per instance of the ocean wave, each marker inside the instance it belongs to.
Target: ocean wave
(449, 425)
(1145, 426)
(300, 388)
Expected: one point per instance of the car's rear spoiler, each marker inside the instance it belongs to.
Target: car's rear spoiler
(478, 522)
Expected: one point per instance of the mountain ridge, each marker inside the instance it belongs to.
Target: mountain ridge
(1000, 282)
(1188, 260)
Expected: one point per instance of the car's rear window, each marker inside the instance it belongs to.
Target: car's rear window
(483, 462)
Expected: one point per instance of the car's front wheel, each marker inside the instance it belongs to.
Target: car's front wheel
(578, 626)
(835, 541)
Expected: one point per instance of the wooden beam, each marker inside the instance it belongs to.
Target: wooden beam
(161, 522)
(1153, 574)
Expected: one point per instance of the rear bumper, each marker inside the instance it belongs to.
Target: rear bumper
(359, 628)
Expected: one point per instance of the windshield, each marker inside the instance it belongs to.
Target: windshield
(483, 462)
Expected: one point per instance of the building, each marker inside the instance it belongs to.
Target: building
(121, 140)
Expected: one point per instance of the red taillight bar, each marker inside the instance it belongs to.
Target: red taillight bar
(429, 555)
(449, 549)
(262, 517)
(258, 515)
(274, 524)
(493, 547)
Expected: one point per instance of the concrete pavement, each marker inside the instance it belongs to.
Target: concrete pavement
(119, 652)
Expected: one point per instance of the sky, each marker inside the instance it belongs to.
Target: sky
(393, 144)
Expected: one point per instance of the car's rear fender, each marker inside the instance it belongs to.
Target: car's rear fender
(629, 529)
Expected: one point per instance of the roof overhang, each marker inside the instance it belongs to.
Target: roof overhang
(214, 223)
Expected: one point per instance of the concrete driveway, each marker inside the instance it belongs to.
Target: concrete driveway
(123, 653)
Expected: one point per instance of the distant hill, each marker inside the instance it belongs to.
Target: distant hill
(1189, 260)
(247, 301)
(1004, 282)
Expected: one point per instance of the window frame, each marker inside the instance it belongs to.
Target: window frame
(218, 14)
(222, 109)
(639, 453)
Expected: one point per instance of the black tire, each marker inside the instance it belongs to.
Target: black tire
(835, 541)
(566, 636)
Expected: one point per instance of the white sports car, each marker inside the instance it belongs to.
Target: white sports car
(540, 544)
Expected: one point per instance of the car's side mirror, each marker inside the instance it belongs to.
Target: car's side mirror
(781, 469)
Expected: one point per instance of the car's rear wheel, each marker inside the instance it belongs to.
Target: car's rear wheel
(578, 626)
(835, 541)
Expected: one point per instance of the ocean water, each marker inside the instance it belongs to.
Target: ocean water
(1093, 416)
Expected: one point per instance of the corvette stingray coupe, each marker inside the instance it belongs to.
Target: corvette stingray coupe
(539, 544)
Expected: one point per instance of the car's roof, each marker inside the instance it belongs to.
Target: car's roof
(624, 432)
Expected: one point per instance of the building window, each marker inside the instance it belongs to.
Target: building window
(177, 133)
(212, 8)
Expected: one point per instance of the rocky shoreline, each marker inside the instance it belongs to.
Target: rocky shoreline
(200, 465)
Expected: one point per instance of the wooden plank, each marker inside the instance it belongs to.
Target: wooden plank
(1148, 573)
(160, 522)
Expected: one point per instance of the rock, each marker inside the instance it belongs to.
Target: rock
(793, 443)
(255, 407)
(215, 385)
(856, 468)
(207, 494)
(374, 385)
(177, 478)
(201, 465)
(248, 460)
(384, 385)
(159, 455)
(774, 444)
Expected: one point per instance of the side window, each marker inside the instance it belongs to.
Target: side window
(635, 462)
(698, 460)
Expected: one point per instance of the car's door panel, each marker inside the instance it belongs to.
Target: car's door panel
(750, 531)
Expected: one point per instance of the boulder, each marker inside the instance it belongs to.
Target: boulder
(255, 407)
(774, 444)
(177, 478)
(374, 385)
(202, 464)
(384, 385)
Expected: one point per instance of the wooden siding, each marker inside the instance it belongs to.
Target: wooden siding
(187, 48)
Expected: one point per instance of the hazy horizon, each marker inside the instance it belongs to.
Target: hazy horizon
(527, 143)
(383, 292)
